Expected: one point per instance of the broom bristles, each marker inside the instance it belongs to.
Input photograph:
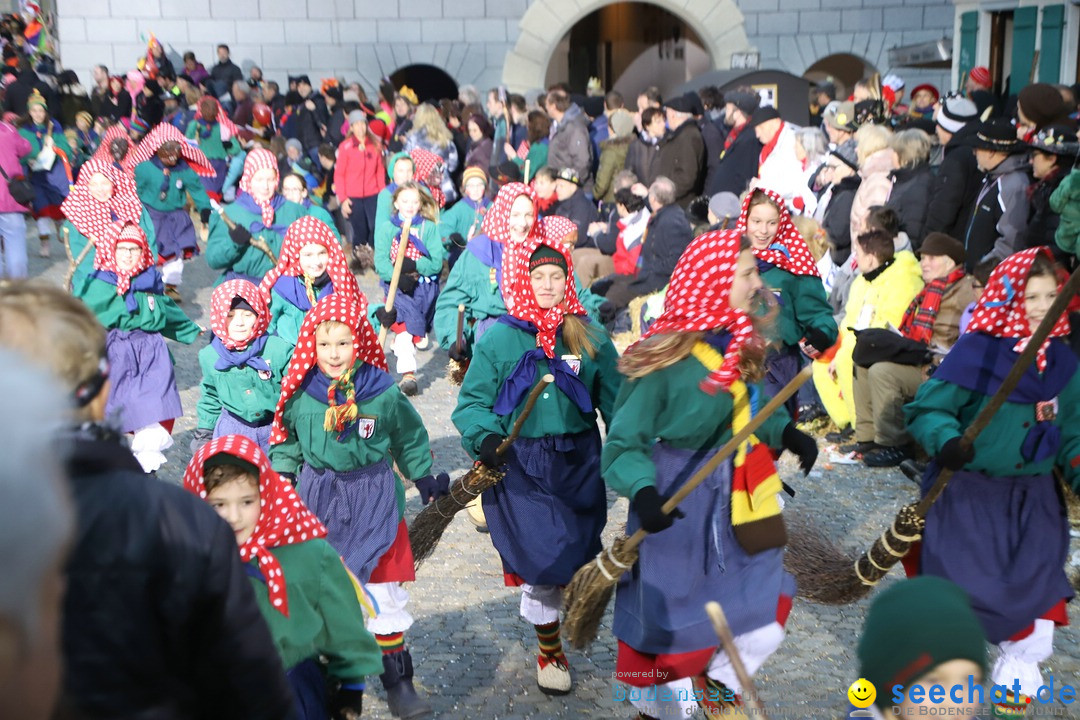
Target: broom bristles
(428, 527)
(823, 572)
(455, 372)
(587, 596)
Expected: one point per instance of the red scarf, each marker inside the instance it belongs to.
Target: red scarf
(787, 250)
(260, 159)
(163, 133)
(105, 255)
(557, 228)
(92, 217)
(770, 146)
(521, 299)
(117, 131)
(733, 134)
(221, 304)
(425, 163)
(305, 231)
(919, 318)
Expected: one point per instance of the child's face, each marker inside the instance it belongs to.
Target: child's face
(100, 187)
(522, 217)
(549, 285)
(314, 259)
(241, 324)
(474, 189)
(762, 223)
(403, 171)
(334, 349)
(408, 203)
(127, 256)
(746, 283)
(1039, 295)
(326, 162)
(543, 186)
(293, 188)
(263, 184)
(923, 99)
(80, 122)
(237, 502)
(954, 673)
(38, 114)
(292, 153)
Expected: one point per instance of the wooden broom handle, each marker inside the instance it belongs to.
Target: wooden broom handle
(727, 641)
(726, 450)
(460, 325)
(403, 245)
(534, 394)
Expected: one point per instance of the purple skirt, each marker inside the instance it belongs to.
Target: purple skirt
(1005, 540)
(143, 387)
(358, 508)
(229, 424)
(309, 690)
(781, 367)
(417, 311)
(173, 231)
(546, 515)
(221, 170)
(660, 602)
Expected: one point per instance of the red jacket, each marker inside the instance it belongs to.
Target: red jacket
(360, 172)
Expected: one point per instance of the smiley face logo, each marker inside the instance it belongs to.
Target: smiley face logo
(862, 693)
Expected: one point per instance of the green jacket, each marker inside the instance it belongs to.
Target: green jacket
(803, 305)
(155, 314)
(286, 318)
(612, 160)
(211, 145)
(384, 207)
(496, 355)
(426, 266)
(460, 219)
(59, 142)
(223, 254)
(537, 157)
(78, 241)
(324, 618)
(240, 390)
(149, 179)
(669, 404)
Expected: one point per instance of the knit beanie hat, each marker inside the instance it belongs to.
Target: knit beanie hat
(937, 243)
(981, 76)
(139, 125)
(621, 123)
(725, 205)
(545, 255)
(913, 627)
(36, 98)
(956, 112)
(847, 153)
(1042, 104)
(356, 116)
(294, 143)
(472, 172)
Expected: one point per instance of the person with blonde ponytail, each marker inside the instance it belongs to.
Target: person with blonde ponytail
(694, 380)
(545, 516)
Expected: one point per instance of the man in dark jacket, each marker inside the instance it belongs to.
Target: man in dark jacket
(842, 164)
(1000, 213)
(18, 92)
(572, 203)
(682, 150)
(958, 178)
(742, 152)
(644, 151)
(225, 73)
(570, 146)
(311, 118)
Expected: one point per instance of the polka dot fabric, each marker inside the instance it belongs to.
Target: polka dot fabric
(424, 162)
(163, 133)
(305, 231)
(697, 300)
(105, 257)
(497, 227)
(223, 118)
(557, 228)
(787, 250)
(343, 309)
(260, 159)
(1000, 309)
(523, 300)
(221, 303)
(410, 251)
(283, 517)
(92, 217)
(114, 132)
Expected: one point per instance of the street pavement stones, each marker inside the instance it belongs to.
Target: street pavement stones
(475, 658)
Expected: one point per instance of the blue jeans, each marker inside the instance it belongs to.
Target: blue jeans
(13, 233)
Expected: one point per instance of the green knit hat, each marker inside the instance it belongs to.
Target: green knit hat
(545, 255)
(913, 627)
(394, 161)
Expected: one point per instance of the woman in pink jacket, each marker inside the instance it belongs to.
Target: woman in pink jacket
(12, 223)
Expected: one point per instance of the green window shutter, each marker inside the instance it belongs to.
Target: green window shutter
(1053, 29)
(969, 39)
(1025, 22)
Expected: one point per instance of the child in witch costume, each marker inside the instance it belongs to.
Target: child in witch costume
(400, 169)
(339, 427)
(545, 516)
(258, 211)
(126, 293)
(789, 270)
(459, 224)
(167, 171)
(311, 267)
(303, 591)
(1000, 530)
(242, 367)
(216, 136)
(694, 381)
(418, 285)
(104, 194)
(48, 166)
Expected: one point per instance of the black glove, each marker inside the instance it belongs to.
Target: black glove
(487, 452)
(240, 235)
(227, 144)
(953, 456)
(346, 704)
(204, 215)
(408, 266)
(433, 487)
(386, 317)
(406, 283)
(458, 240)
(804, 446)
(608, 311)
(200, 437)
(647, 504)
(818, 340)
(600, 286)
(459, 351)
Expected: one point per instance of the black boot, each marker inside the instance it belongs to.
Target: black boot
(401, 696)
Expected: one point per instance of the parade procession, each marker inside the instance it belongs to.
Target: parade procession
(634, 381)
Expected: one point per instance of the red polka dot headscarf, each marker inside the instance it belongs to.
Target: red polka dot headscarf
(105, 257)
(92, 217)
(521, 300)
(283, 517)
(424, 163)
(103, 152)
(557, 228)
(497, 227)
(222, 119)
(787, 250)
(221, 304)
(305, 231)
(256, 160)
(340, 308)
(697, 300)
(1000, 312)
(163, 133)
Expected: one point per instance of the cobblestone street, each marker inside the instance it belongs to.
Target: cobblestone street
(475, 658)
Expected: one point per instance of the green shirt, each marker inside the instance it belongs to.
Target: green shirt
(78, 241)
(155, 313)
(286, 318)
(240, 390)
(803, 305)
(211, 145)
(223, 254)
(324, 618)
(460, 219)
(149, 180)
(59, 142)
(669, 406)
(429, 235)
(495, 357)
(537, 157)
(384, 207)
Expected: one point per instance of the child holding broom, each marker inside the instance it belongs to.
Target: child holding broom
(339, 428)
(694, 381)
(545, 516)
(1000, 530)
(465, 219)
(303, 591)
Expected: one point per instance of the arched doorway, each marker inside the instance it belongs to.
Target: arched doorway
(718, 26)
(629, 46)
(428, 81)
(842, 69)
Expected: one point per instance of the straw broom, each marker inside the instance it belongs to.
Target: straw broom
(74, 262)
(589, 592)
(256, 241)
(391, 293)
(455, 371)
(822, 571)
(727, 641)
(428, 527)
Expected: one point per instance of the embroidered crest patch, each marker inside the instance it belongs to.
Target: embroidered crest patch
(365, 427)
